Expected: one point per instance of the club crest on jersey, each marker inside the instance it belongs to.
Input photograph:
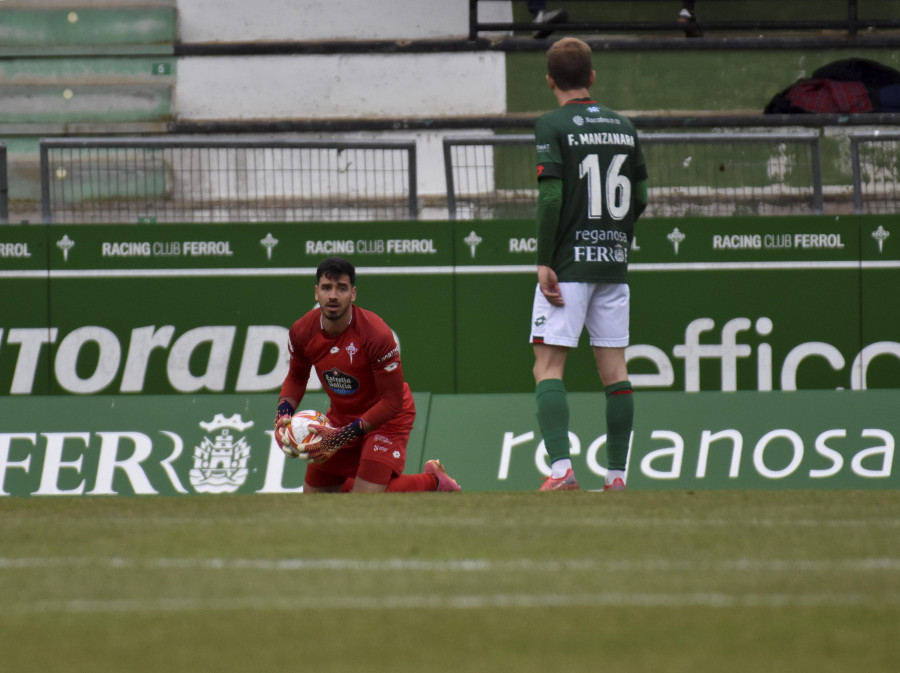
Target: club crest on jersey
(351, 350)
(220, 462)
(339, 382)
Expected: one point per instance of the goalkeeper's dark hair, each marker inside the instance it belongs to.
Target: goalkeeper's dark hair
(335, 267)
(569, 64)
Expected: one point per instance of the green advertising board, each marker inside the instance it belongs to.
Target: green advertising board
(742, 303)
(165, 309)
(741, 440)
(153, 445)
(718, 304)
(173, 445)
(879, 304)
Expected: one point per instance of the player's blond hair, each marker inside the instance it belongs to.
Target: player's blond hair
(569, 64)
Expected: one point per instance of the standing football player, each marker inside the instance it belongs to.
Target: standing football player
(357, 359)
(592, 187)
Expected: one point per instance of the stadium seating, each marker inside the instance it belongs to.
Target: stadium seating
(81, 67)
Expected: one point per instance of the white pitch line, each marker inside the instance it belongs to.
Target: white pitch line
(453, 602)
(456, 565)
(479, 522)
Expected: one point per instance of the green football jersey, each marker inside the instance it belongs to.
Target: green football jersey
(596, 153)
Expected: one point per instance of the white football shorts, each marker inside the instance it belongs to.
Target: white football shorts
(601, 307)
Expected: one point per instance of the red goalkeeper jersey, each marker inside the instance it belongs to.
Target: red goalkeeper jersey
(359, 369)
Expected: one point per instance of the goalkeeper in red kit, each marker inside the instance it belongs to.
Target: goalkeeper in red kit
(357, 359)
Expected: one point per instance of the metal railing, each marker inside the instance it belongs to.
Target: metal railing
(4, 186)
(690, 174)
(207, 180)
(850, 23)
(875, 157)
(698, 174)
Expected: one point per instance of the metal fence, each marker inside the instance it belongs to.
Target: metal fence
(691, 174)
(876, 172)
(4, 186)
(203, 180)
(841, 17)
(490, 177)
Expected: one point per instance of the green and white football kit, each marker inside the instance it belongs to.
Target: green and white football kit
(592, 188)
(590, 166)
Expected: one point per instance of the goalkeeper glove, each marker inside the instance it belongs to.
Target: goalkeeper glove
(333, 439)
(283, 437)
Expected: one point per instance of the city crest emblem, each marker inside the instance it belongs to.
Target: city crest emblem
(220, 461)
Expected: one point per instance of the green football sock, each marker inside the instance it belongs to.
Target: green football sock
(619, 422)
(553, 417)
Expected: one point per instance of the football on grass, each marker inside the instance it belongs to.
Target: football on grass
(300, 431)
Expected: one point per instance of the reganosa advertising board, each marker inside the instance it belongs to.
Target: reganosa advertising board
(170, 445)
(718, 304)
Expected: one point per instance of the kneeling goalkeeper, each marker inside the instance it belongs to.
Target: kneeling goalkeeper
(357, 359)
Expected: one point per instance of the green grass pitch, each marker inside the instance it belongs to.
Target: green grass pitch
(671, 581)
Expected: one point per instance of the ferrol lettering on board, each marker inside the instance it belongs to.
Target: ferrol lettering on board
(375, 246)
(217, 456)
(130, 249)
(14, 250)
(757, 241)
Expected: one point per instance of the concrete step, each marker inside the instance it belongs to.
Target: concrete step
(85, 102)
(57, 27)
(84, 89)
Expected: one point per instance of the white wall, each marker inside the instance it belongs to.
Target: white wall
(340, 86)
(276, 20)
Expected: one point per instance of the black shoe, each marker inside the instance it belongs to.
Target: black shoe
(546, 18)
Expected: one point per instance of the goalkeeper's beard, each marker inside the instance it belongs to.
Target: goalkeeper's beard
(334, 313)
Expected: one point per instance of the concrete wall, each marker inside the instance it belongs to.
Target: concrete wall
(341, 86)
(276, 20)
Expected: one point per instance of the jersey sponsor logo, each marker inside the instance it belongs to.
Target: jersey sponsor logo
(339, 382)
(600, 253)
(598, 235)
(601, 120)
(394, 352)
